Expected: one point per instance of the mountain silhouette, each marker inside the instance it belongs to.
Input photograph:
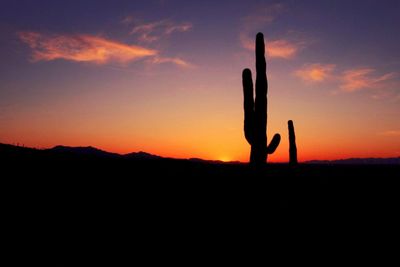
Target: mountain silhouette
(142, 156)
(92, 152)
(357, 161)
(89, 150)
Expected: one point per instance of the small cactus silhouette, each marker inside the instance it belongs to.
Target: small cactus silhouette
(255, 111)
(292, 144)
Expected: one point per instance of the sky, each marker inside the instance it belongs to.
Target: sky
(164, 76)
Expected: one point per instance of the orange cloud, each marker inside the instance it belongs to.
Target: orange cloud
(82, 48)
(88, 48)
(281, 49)
(153, 31)
(315, 72)
(363, 78)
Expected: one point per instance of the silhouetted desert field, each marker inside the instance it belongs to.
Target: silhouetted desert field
(93, 177)
(62, 196)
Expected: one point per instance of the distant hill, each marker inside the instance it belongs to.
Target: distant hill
(90, 152)
(83, 151)
(357, 161)
(141, 155)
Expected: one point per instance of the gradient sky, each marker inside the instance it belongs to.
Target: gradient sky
(165, 76)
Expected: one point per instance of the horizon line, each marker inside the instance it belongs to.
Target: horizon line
(190, 158)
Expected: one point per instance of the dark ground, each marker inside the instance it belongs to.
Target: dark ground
(66, 196)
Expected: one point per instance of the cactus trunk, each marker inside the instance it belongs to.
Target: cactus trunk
(255, 111)
(292, 144)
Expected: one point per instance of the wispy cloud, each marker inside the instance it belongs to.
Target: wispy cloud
(262, 16)
(127, 20)
(390, 133)
(350, 80)
(315, 72)
(86, 48)
(284, 48)
(153, 31)
(363, 78)
(178, 61)
(82, 48)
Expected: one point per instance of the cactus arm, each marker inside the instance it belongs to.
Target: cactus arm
(292, 144)
(248, 106)
(274, 144)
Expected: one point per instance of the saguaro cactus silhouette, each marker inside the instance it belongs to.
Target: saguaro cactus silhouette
(255, 111)
(292, 144)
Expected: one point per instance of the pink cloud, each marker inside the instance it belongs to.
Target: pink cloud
(315, 72)
(127, 20)
(246, 42)
(350, 80)
(153, 31)
(178, 61)
(263, 15)
(363, 78)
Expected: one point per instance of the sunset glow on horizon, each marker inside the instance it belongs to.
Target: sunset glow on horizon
(164, 77)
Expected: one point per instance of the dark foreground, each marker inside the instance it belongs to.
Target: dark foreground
(62, 196)
(73, 176)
